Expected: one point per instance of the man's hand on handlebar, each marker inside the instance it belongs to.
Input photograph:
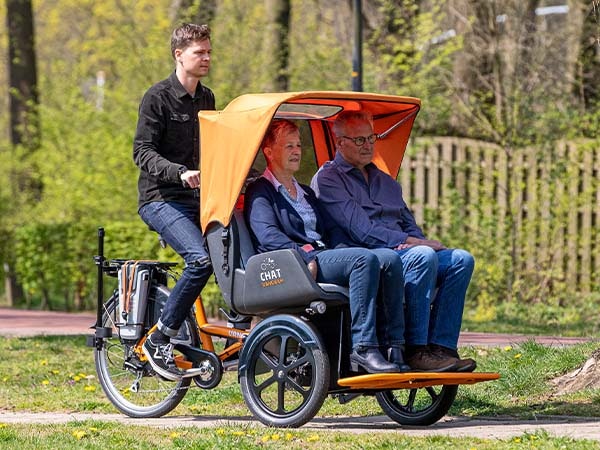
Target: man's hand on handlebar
(191, 178)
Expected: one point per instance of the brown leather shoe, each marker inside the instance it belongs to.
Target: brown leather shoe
(462, 365)
(422, 359)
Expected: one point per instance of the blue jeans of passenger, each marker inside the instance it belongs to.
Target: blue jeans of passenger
(178, 224)
(435, 318)
(361, 270)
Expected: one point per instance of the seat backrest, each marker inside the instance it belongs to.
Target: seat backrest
(229, 248)
(243, 237)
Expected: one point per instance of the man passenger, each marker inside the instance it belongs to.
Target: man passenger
(367, 204)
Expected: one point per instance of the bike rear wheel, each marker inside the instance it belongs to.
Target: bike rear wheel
(130, 383)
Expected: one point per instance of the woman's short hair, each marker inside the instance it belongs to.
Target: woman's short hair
(276, 129)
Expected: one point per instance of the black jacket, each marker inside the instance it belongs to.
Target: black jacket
(167, 140)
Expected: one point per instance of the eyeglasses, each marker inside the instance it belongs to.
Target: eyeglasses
(360, 140)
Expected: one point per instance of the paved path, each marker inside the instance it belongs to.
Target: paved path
(483, 428)
(19, 322)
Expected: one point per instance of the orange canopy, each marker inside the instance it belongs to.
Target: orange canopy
(231, 138)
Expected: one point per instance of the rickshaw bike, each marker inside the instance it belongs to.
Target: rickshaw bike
(298, 352)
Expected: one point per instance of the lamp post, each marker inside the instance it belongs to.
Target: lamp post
(357, 51)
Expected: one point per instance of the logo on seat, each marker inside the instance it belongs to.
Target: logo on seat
(270, 274)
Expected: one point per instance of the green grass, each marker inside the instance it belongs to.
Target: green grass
(56, 373)
(46, 374)
(579, 318)
(102, 435)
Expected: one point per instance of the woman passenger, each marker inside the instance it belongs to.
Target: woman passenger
(281, 213)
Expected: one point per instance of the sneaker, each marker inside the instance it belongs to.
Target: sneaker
(462, 365)
(424, 360)
(160, 357)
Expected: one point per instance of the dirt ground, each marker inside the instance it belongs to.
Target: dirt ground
(21, 323)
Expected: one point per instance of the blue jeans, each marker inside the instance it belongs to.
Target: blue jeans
(178, 224)
(435, 318)
(390, 309)
(361, 270)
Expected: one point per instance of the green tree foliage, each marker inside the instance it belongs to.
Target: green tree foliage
(320, 46)
(410, 51)
(239, 61)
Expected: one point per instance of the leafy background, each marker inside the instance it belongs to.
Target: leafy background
(525, 80)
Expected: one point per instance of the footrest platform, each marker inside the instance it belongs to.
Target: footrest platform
(414, 380)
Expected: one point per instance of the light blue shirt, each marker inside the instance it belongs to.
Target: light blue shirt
(299, 203)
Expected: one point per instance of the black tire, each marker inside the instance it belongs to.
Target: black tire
(422, 406)
(284, 372)
(130, 384)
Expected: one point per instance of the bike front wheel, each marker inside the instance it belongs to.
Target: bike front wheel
(417, 407)
(130, 383)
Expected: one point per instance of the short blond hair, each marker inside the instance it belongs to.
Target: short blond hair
(277, 128)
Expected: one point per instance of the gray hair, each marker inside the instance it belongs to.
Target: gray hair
(341, 122)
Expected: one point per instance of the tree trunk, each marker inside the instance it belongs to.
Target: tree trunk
(587, 88)
(12, 290)
(278, 43)
(23, 101)
(23, 95)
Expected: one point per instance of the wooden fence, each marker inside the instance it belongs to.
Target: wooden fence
(542, 204)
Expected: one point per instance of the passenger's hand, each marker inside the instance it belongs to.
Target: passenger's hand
(191, 178)
(312, 268)
(412, 241)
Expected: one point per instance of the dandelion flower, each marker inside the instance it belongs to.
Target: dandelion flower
(518, 355)
(313, 438)
(89, 388)
(46, 382)
(79, 434)
(508, 348)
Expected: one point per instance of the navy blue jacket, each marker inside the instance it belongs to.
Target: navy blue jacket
(373, 214)
(275, 224)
